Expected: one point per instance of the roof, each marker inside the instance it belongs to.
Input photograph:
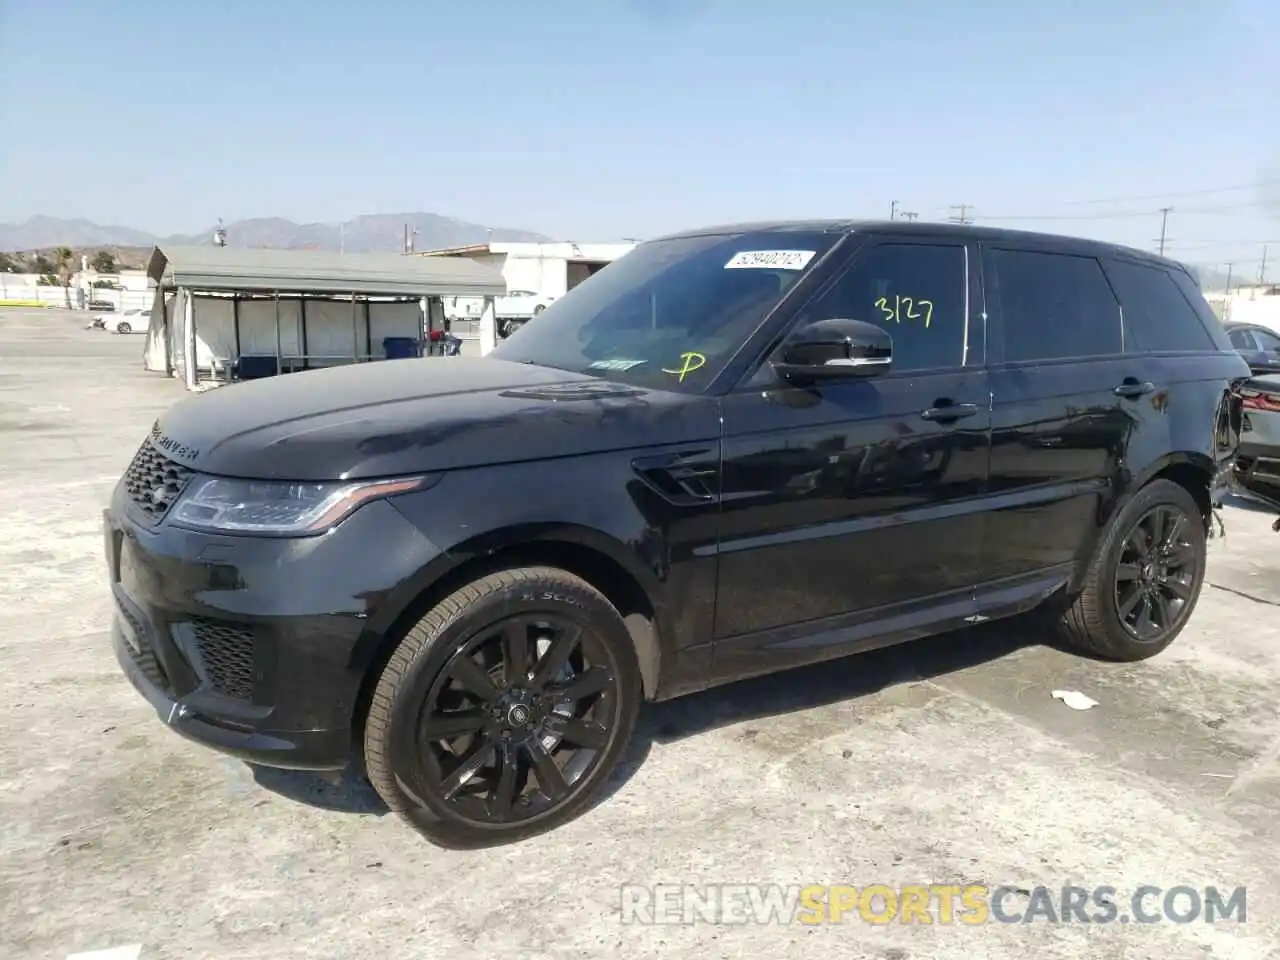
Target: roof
(470, 250)
(918, 228)
(313, 271)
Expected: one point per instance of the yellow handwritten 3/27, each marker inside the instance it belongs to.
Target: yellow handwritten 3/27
(689, 362)
(895, 312)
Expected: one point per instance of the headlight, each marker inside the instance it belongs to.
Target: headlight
(278, 508)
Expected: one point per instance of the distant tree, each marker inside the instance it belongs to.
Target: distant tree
(47, 280)
(8, 264)
(104, 262)
(42, 265)
(64, 260)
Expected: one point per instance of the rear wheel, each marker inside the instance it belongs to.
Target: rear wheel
(504, 710)
(1145, 580)
(123, 327)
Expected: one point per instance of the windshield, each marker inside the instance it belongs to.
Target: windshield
(671, 313)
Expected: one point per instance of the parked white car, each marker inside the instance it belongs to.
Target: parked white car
(130, 321)
(521, 303)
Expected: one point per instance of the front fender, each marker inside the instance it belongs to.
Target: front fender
(594, 512)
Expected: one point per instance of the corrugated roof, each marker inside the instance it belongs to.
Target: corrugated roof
(307, 271)
(469, 250)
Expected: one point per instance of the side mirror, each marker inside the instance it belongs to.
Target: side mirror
(835, 349)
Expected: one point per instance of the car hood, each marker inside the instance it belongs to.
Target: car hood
(409, 416)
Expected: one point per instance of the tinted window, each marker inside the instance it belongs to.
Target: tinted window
(1208, 319)
(1242, 340)
(1156, 314)
(1268, 341)
(1052, 305)
(671, 313)
(915, 292)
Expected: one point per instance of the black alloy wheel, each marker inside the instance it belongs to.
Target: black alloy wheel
(1157, 574)
(517, 719)
(504, 710)
(1144, 579)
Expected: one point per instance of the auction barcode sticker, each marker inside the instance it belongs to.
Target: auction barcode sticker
(770, 259)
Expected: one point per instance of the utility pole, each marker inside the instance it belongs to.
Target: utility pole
(908, 215)
(1164, 222)
(1228, 290)
(1262, 270)
(342, 238)
(962, 216)
(893, 210)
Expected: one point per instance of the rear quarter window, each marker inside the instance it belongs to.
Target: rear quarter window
(1212, 325)
(1158, 316)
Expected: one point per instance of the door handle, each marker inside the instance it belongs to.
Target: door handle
(950, 411)
(1131, 388)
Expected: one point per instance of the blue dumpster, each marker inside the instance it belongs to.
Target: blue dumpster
(399, 348)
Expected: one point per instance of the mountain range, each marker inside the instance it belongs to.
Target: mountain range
(375, 233)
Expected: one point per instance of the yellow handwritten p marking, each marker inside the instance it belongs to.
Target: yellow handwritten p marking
(689, 363)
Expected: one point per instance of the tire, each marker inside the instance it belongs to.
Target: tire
(123, 327)
(539, 308)
(1095, 624)
(424, 777)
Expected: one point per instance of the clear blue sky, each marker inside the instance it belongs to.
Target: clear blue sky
(616, 118)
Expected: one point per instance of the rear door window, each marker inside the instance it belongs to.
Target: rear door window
(1052, 306)
(1157, 317)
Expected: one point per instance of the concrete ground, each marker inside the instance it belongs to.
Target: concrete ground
(943, 762)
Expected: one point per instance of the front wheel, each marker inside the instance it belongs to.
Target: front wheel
(504, 710)
(123, 327)
(1144, 582)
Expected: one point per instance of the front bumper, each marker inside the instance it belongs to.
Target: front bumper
(296, 749)
(256, 647)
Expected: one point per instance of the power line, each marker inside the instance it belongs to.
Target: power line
(1123, 214)
(1175, 195)
(1221, 244)
(960, 213)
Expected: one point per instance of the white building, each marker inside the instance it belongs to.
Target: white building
(548, 270)
(1255, 303)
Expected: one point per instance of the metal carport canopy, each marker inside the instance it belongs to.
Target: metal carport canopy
(312, 271)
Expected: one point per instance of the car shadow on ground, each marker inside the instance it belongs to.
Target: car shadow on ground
(791, 691)
(1250, 505)
(845, 679)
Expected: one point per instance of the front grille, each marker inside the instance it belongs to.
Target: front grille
(227, 653)
(153, 481)
(139, 644)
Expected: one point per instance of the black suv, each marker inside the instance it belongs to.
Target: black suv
(733, 451)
